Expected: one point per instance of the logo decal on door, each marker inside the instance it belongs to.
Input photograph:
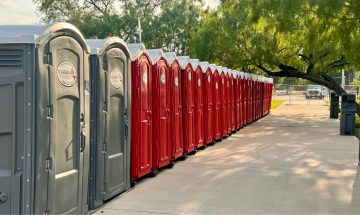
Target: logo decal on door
(162, 78)
(176, 81)
(209, 78)
(66, 73)
(189, 76)
(144, 77)
(116, 78)
(199, 82)
(216, 85)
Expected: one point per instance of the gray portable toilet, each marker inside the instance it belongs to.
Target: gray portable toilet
(110, 106)
(44, 96)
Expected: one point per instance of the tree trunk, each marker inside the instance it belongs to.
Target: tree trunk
(325, 80)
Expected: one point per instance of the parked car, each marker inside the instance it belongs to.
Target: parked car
(315, 91)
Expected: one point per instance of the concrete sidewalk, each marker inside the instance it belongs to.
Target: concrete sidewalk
(292, 161)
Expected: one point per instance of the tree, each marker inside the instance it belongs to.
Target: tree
(307, 39)
(166, 24)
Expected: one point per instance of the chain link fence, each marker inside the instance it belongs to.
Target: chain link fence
(310, 94)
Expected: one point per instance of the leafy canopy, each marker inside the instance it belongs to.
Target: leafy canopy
(165, 23)
(310, 36)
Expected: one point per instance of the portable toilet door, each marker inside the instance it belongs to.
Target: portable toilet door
(250, 98)
(232, 98)
(246, 98)
(161, 109)
(176, 106)
(243, 99)
(222, 87)
(253, 96)
(199, 103)
(208, 103)
(236, 100)
(228, 100)
(216, 102)
(187, 83)
(141, 114)
(44, 84)
(109, 144)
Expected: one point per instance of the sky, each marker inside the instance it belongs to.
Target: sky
(24, 11)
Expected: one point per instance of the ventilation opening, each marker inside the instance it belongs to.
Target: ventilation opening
(10, 58)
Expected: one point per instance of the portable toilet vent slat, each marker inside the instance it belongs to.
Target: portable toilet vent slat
(44, 95)
(110, 145)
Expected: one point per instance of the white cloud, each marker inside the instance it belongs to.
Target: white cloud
(18, 12)
(7, 3)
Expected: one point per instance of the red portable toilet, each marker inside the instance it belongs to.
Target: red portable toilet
(232, 99)
(141, 114)
(242, 104)
(229, 99)
(199, 104)
(247, 98)
(271, 91)
(223, 100)
(208, 103)
(236, 99)
(176, 127)
(256, 96)
(251, 103)
(161, 109)
(216, 103)
(187, 83)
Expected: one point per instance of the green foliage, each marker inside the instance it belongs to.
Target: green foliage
(314, 36)
(165, 23)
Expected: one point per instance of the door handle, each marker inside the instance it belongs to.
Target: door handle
(3, 197)
(82, 133)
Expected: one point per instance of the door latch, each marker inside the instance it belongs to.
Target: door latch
(3, 197)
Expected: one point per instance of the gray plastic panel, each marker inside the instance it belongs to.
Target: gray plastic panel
(15, 129)
(62, 124)
(110, 147)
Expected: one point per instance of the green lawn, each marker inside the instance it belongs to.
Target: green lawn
(275, 103)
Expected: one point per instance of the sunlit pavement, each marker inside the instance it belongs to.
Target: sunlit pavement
(292, 161)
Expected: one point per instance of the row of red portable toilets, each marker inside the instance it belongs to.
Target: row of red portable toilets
(180, 104)
(65, 101)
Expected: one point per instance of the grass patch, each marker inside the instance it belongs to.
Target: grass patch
(275, 103)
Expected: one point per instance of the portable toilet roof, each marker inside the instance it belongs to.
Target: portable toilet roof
(99, 46)
(204, 66)
(136, 49)
(241, 74)
(213, 67)
(155, 55)
(38, 34)
(219, 69)
(229, 71)
(170, 57)
(235, 73)
(183, 61)
(224, 69)
(194, 63)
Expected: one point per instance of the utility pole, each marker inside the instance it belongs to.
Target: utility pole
(139, 29)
